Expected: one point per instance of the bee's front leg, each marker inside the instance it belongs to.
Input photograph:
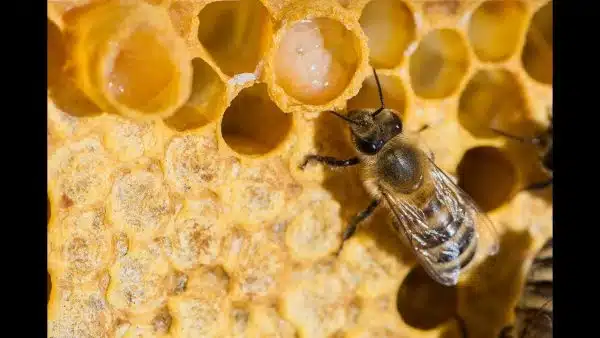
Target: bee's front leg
(361, 216)
(330, 161)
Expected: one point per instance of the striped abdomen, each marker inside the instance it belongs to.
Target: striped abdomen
(449, 239)
(534, 310)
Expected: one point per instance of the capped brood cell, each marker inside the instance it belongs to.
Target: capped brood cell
(128, 59)
(256, 263)
(80, 312)
(138, 281)
(80, 247)
(139, 204)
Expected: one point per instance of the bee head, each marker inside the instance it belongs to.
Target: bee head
(371, 130)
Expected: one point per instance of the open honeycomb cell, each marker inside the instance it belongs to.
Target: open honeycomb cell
(439, 64)
(315, 60)
(488, 176)
(137, 65)
(390, 28)
(253, 125)
(537, 51)
(494, 99)
(208, 95)
(60, 79)
(496, 28)
(176, 205)
(235, 33)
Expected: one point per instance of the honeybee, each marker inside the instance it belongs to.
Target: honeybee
(533, 313)
(544, 144)
(431, 214)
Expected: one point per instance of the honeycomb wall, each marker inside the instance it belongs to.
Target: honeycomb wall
(176, 206)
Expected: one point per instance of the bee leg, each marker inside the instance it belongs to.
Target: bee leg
(539, 185)
(361, 216)
(330, 161)
(423, 128)
(462, 326)
(506, 332)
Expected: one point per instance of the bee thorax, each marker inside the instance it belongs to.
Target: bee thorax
(400, 168)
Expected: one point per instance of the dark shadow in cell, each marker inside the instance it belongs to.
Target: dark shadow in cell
(488, 176)
(424, 303)
(488, 296)
(253, 125)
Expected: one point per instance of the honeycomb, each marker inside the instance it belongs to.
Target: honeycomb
(175, 129)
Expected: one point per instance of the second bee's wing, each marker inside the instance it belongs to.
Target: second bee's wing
(440, 263)
(460, 202)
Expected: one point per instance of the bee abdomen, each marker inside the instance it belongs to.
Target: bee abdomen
(443, 223)
(538, 285)
(534, 310)
(451, 241)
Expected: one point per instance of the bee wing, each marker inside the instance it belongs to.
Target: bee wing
(460, 202)
(410, 221)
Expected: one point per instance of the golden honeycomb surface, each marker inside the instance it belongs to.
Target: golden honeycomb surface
(175, 131)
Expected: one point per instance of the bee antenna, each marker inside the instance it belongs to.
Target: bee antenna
(342, 117)
(380, 93)
(507, 135)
